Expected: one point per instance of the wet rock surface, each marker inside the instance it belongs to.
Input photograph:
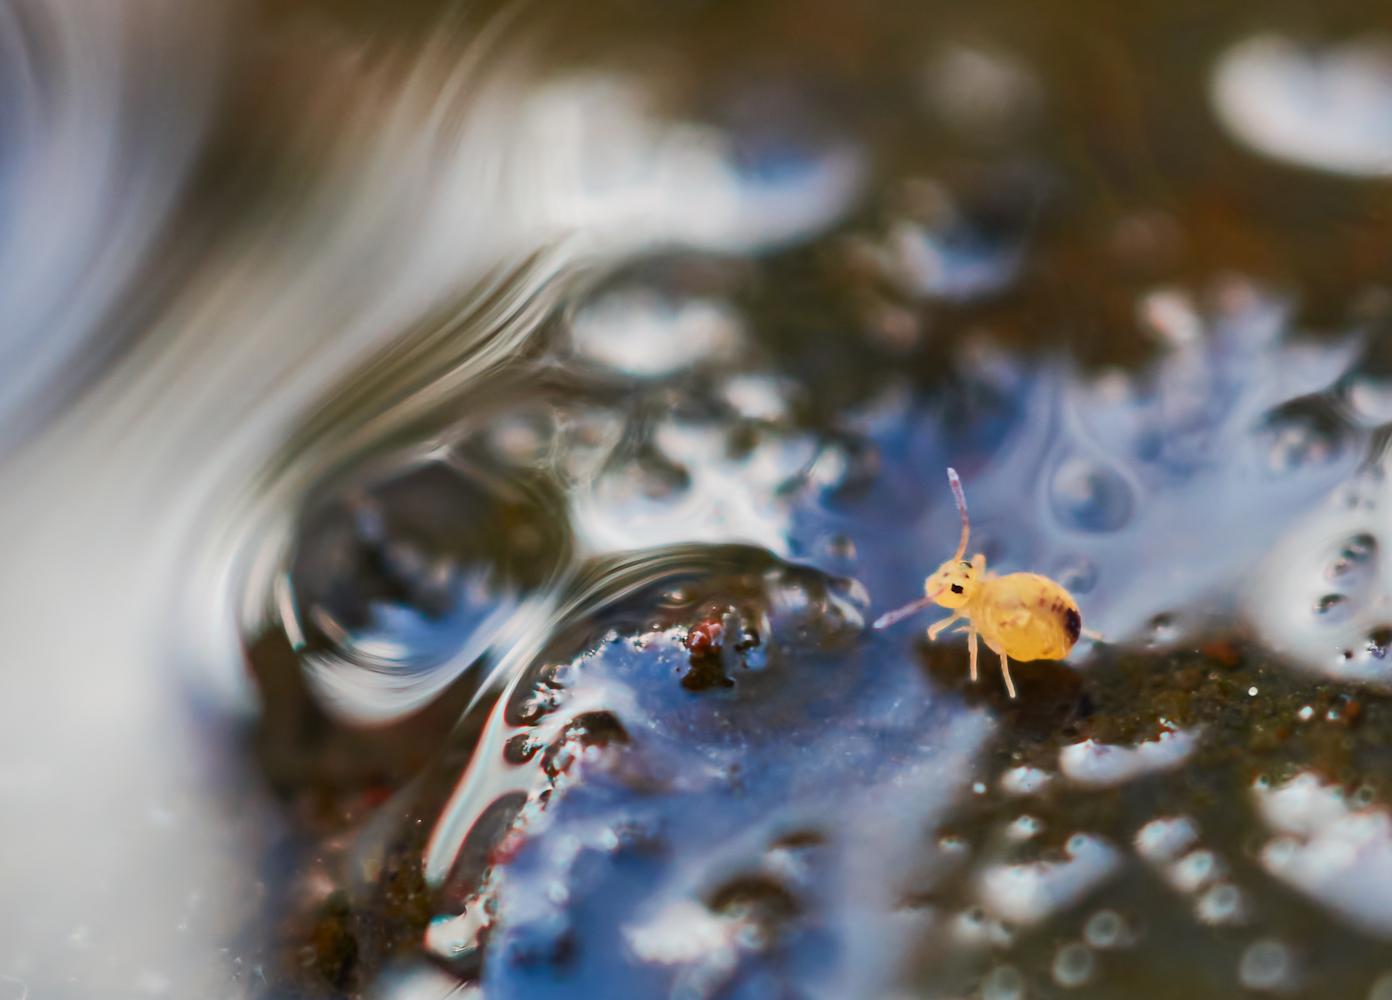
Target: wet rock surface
(572, 693)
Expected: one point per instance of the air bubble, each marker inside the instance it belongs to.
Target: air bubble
(1163, 629)
(1074, 965)
(1024, 828)
(1364, 796)
(1105, 929)
(1088, 496)
(1355, 552)
(1266, 965)
(1378, 641)
(1329, 602)
(1195, 870)
(1223, 904)
(1005, 982)
(1304, 432)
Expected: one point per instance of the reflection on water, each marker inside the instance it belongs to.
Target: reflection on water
(1327, 108)
(548, 400)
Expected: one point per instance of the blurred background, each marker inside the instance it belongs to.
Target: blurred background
(451, 452)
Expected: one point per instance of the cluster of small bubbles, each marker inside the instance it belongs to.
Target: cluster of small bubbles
(1004, 982)
(1267, 965)
(1074, 965)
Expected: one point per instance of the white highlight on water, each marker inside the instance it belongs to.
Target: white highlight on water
(1338, 856)
(1029, 893)
(1101, 765)
(1328, 109)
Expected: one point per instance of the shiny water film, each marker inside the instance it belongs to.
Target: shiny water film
(454, 455)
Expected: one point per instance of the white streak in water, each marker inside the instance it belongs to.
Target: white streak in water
(1339, 857)
(1030, 893)
(1101, 765)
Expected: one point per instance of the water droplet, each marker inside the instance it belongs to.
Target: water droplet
(1266, 965)
(1024, 828)
(1004, 982)
(1303, 432)
(1378, 641)
(1105, 929)
(1195, 870)
(1221, 905)
(1355, 553)
(1163, 630)
(1074, 965)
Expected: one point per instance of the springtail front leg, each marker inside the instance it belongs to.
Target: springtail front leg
(937, 627)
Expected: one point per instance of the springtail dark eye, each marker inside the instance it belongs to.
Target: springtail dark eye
(956, 588)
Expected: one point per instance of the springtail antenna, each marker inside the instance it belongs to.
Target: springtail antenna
(899, 614)
(961, 499)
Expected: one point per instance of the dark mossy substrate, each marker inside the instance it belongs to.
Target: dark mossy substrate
(1126, 696)
(338, 946)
